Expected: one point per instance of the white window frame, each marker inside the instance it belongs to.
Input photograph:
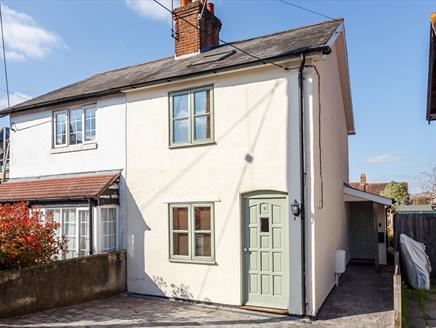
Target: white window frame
(191, 117)
(191, 258)
(100, 228)
(86, 108)
(55, 145)
(67, 143)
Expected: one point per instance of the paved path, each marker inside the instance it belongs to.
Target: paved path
(363, 300)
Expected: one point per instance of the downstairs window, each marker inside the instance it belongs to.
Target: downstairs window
(192, 232)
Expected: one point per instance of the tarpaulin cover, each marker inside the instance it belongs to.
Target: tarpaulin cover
(415, 262)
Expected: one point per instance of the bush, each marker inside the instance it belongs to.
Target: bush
(26, 238)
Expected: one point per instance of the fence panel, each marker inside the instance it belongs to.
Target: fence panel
(422, 228)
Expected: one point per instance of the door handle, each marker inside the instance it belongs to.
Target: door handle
(245, 249)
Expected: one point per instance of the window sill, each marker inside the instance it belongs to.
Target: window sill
(198, 144)
(210, 262)
(73, 148)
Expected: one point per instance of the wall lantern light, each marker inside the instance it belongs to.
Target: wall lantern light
(295, 208)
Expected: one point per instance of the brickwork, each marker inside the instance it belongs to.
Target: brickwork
(190, 39)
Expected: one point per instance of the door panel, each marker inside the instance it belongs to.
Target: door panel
(362, 232)
(265, 252)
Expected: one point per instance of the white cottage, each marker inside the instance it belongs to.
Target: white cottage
(233, 160)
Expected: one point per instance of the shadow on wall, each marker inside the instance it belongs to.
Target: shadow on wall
(136, 258)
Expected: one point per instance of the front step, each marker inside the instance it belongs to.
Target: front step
(265, 309)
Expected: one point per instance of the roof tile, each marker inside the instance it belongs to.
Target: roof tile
(43, 189)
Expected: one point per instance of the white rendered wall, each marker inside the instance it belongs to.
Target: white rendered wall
(31, 144)
(327, 224)
(380, 217)
(251, 118)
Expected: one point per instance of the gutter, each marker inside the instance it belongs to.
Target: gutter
(324, 50)
(302, 184)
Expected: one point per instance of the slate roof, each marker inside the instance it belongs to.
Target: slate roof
(84, 186)
(283, 45)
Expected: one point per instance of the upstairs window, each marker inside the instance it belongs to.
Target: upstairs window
(74, 126)
(60, 128)
(191, 117)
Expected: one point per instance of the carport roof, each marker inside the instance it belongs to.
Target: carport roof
(356, 195)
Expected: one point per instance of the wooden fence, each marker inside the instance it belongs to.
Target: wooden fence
(420, 227)
(397, 293)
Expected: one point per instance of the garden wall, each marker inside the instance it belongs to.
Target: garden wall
(62, 283)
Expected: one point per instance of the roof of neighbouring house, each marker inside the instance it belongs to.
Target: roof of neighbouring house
(264, 49)
(373, 188)
(65, 187)
(431, 84)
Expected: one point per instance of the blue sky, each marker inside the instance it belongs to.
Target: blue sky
(54, 43)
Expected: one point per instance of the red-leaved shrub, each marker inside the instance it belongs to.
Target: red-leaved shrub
(25, 238)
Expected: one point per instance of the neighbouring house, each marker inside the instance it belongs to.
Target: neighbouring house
(229, 164)
(431, 84)
(66, 159)
(374, 187)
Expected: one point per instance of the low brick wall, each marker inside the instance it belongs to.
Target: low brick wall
(62, 283)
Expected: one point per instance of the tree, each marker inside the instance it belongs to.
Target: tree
(428, 183)
(26, 238)
(423, 198)
(397, 191)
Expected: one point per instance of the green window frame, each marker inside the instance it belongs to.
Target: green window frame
(191, 114)
(192, 232)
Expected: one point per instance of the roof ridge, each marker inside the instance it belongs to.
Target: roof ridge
(285, 31)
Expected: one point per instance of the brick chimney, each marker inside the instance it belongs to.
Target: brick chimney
(362, 185)
(189, 39)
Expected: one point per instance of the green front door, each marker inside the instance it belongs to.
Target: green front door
(265, 251)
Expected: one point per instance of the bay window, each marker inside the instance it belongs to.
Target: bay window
(75, 226)
(74, 127)
(191, 117)
(191, 232)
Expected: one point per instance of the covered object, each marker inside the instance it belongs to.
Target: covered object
(415, 262)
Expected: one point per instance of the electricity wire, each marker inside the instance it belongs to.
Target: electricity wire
(305, 9)
(221, 40)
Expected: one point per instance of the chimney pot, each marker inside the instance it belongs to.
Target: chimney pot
(183, 2)
(211, 7)
(363, 182)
